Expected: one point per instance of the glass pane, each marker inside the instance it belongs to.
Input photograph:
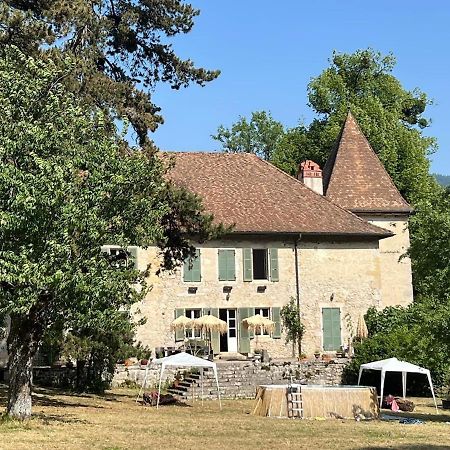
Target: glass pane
(232, 332)
(232, 323)
(232, 313)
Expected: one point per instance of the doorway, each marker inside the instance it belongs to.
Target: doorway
(228, 341)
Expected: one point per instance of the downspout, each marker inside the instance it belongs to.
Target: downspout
(297, 281)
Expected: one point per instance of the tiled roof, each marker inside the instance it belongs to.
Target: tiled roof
(256, 197)
(354, 177)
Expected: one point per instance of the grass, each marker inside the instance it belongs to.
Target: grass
(114, 421)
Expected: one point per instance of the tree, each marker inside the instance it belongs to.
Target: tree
(390, 116)
(260, 135)
(120, 50)
(67, 186)
(430, 248)
(290, 314)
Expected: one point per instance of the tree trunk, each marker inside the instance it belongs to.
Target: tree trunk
(23, 342)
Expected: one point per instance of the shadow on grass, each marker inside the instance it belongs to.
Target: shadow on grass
(48, 419)
(426, 417)
(409, 447)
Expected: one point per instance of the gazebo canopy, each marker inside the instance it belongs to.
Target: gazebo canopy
(395, 365)
(184, 359)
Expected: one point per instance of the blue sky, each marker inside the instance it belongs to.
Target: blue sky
(268, 51)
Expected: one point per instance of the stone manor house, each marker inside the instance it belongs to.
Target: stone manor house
(336, 238)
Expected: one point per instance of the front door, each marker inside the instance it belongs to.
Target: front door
(232, 330)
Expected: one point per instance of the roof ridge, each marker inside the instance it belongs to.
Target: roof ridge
(320, 196)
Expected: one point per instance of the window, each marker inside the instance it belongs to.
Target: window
(121, 258)
(265, 312)
(331, 326)
(192, 314)
(192, 268)
(226, 262)
(260, 264)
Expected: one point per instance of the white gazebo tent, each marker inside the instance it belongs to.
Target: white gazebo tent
(395, 365)
(183, 360)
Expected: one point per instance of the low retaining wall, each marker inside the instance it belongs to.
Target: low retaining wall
(239, 379)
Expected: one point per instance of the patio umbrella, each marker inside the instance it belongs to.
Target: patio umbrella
(181, 322)
(361, 328)
(210, 323)
(258, 322)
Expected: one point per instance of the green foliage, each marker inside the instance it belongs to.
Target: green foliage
(413, 334)
(260, 135)
(121, 50)
(390, 116)
(67, 186)
(430, 246)
(295, 329)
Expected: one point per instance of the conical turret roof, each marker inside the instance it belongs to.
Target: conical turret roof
(355, 179)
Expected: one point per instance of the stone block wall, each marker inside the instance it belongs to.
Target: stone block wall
(343, 274)
(239, 379)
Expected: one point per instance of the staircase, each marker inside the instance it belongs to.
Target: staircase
(185, 388)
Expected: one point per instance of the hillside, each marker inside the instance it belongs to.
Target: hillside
(443, 180)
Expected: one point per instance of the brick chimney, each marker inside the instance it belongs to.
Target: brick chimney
(311, 174)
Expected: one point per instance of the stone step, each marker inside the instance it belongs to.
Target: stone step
(177, 392)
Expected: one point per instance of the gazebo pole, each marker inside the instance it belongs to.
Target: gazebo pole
(201, 376)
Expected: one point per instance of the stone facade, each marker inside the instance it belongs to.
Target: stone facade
(337, 274)
(396, 278)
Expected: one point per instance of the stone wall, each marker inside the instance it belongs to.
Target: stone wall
(396, 277)
(239, 379)
(332, 274)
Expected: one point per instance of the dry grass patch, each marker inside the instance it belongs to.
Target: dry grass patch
(115, 421)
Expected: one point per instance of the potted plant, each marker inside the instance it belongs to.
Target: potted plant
(317, 353)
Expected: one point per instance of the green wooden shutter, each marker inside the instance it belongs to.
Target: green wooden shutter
(331, 322)
(222, 259)
(231, 265)
(276, 317)
(251, 312)
(247, 264)
(192, 268)
(244, 340)
(215, 337)
(273, 256)
(179, 333)
(133, 261)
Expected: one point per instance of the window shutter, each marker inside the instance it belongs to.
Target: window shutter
(273, 256)
(196, 267)
(215, 337)
(192, 268)
(222, 258)
(231, 265)
(251, 312)
(276, 317)
(133, 261)
(244, 340)
(179, 333)
(331, 322)
(247, 264)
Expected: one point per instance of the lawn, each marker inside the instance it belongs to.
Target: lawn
(115, 421)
